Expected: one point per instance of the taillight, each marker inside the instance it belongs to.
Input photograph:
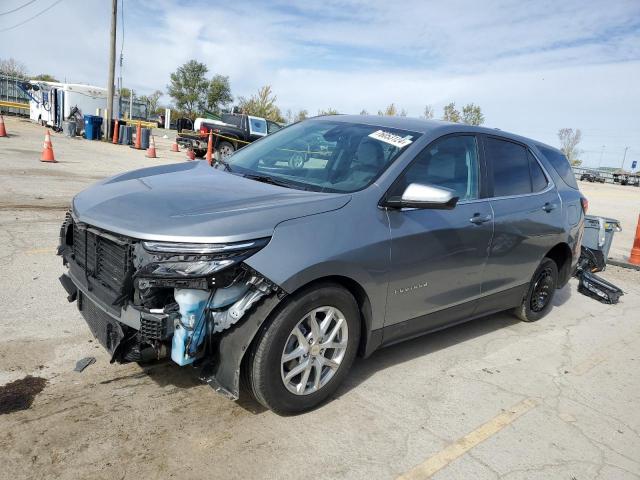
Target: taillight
(203, 130)
(585, 204)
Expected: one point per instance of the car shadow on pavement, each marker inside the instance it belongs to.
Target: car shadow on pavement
(422, 346)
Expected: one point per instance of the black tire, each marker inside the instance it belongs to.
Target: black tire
(200, 153)
(539, 298)
(263, 368)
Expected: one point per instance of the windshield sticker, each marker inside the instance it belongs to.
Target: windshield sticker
(391, 138)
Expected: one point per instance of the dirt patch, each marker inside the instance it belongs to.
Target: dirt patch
(19, 394)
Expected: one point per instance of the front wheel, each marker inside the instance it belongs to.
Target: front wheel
(305, 352)
(537, 302)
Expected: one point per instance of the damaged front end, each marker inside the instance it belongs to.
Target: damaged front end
(147, 300)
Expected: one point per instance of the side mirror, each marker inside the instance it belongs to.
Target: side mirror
(417, 195)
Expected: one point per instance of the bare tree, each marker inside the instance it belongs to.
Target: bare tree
(403, 113)
(263, 104)
(328, 111)
(364, 112)
(472, 114)
(569, 140)
(390, 111)
(13, 68)
(428, 112)
(301, 115)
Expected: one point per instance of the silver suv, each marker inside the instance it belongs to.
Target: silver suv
(330, 238)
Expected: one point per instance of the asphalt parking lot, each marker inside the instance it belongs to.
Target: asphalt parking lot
(494, 398)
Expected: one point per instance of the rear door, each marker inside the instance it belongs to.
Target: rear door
(527, 214)
(438, 256)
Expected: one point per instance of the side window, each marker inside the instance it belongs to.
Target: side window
(272, 127)
(510, 163)
(538, 180)
(451, 162)
(560, 163)
(257, 126)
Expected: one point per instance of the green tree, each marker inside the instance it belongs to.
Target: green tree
(45, 77)
(450, 113)
(428, 112)
(569, 140)
(13, 68)
(262, 104)
(391, 111)
(125, 92)
(219, 93)
(301, 115)
(328, 111)
(189, 86)
(472, 114)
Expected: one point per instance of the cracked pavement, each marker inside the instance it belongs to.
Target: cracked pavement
(579, 366)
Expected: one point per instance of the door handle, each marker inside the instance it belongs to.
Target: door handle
(547, 207)
(478, 219)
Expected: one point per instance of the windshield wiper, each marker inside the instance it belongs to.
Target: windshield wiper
(225, 164)
(272, 181)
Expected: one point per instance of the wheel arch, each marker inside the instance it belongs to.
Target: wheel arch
(366, 346)
(561, 255)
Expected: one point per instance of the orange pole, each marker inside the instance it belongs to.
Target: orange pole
(116, 130)
(634, 258)
(209, 156)
(138, 144)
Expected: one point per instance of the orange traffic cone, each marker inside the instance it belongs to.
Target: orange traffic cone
(209, 156)
(634, 258)
(116, 132)
(174, 147)
(47, 151)
(151, 151)
(137, 145)
(191, 155)
(3, 131)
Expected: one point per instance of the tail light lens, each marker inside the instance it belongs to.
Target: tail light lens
(203, 130)
(585, 204)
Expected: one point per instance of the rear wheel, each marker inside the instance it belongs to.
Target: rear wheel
(305, 352)
(225, 149)
(537, 302)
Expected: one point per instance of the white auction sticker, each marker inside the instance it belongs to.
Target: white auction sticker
(391, 138)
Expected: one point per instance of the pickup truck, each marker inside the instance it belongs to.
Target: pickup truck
(231, 132)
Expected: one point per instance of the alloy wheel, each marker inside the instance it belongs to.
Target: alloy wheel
(314, 350)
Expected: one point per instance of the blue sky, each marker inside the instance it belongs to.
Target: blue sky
(534, 67)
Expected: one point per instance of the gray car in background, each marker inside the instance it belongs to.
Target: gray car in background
(275, 273)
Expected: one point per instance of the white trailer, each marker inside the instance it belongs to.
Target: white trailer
(53, 102)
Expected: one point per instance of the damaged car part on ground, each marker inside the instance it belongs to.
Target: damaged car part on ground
(275, 273)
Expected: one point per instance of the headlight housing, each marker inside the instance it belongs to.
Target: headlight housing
(193, 260)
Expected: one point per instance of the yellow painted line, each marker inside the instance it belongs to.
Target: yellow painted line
(450, 453)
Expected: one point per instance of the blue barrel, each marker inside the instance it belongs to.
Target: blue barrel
(88, 127)
(121, 134)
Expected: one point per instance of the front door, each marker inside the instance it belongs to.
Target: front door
(438, 256)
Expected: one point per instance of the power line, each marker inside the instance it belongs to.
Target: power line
(32, 17)
(18, 8)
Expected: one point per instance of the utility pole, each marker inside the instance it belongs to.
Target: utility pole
(112, 67)
(624, 157)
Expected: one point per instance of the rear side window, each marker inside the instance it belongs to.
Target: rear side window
(561, 165)
(510, 167)
(538, 180)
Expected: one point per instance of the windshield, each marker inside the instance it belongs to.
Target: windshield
(324, 156)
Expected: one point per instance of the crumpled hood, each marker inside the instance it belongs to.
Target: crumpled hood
(193, 202)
